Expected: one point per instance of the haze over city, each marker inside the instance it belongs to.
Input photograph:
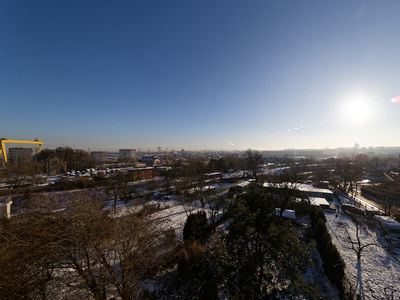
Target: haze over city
(228, 75)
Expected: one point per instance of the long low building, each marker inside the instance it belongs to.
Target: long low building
(303, 190)
(141, 173)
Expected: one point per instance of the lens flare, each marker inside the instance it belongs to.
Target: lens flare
(395, 99)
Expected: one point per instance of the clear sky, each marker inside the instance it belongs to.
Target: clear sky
(269, 74)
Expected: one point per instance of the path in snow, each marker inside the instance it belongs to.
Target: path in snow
(377, 268)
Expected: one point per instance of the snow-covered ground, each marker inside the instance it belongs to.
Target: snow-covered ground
(170, 211)
(317, 276)
(377, 269)
(175, 216)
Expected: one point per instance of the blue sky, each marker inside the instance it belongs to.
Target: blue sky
(200, 75)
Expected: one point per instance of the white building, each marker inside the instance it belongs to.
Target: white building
(99, 155)
(127, 153)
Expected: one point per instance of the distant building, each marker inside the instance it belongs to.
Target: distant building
(127, 153)
(300, 190)
(19, 155)
(142, 173)
(99, 155)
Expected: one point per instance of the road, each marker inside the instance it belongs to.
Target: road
(366, 202)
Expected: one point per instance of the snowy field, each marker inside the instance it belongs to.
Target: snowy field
(170, 211)
(377, 270)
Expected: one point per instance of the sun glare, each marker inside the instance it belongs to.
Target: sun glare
(357, 110)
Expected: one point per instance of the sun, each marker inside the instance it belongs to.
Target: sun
(357, 110)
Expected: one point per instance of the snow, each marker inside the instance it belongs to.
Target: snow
(298, 186)
(389, 222)
(377, 268)
(175, 217)
(317, 276)
(243, 184)
(170, 211)
(317, 201)
(288, 213)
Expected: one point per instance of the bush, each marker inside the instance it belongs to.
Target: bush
(196, 227)
(334, 266)
(302, 208)
(148, 209)
(324, 241)
(316, 214)
(319, 230)
(190, 258)
(332, 262)
(232, 192)
(170, 236)
(209, 290)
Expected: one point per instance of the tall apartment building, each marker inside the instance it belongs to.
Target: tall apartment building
(99, 155)
(127, 153)
(19, 155)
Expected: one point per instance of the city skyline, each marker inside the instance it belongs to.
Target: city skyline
(356, 148)
(200, 75)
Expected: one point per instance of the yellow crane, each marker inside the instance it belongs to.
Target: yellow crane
(3, 141)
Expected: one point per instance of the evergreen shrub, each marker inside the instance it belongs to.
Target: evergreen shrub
(332, 262)
(232, 192)
(196, 227)
(302, 208)
(320, 215)
(334, 266)
(319, 230)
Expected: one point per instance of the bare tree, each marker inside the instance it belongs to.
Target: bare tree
(169, 175)
(254, 158)
(46, 159)
(193, 178)
(117, 186)
(73, 246)
(189, 201)
(357, 246)
(349, 173)
(215, 203)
